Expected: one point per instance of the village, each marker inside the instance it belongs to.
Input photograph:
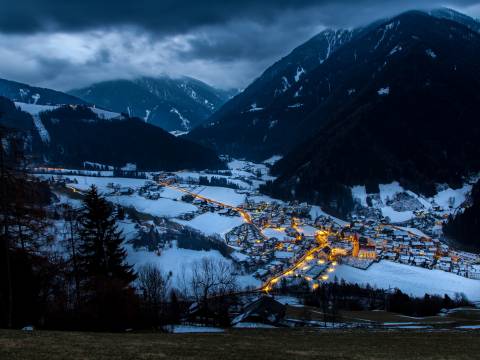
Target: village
(294, 242)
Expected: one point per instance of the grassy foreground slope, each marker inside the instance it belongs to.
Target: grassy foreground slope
(243, 344)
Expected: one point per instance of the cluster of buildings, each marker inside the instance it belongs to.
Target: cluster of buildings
(282, 239)
(375, 241)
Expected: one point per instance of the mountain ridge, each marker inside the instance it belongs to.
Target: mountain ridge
(170, 103)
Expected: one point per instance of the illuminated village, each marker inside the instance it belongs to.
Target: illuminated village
(291, 243)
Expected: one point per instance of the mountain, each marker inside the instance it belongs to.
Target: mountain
(170, 103)
(16, 91)
(244, 126)
(268, 117)
(398, 102)
(71, 134)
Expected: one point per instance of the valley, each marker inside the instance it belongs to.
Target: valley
(273, 243)
(239, 180)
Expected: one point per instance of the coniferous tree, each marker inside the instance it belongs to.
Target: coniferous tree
(106, 275)
(22, 231)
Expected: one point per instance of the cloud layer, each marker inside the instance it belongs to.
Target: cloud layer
(66, 44)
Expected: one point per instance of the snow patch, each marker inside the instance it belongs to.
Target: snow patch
(396, 49)
(35, 98)
(384, 91)
(300, 72)
(297, 93)
(184, 120)
(285, 84)
(253, 108)
(272, 160)
(295, 106)
(431, 53)
(359, 192)
(44, 135)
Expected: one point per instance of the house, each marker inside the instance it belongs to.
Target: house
(367, 251)
(265, 310)
(315, 271)
(474, 272)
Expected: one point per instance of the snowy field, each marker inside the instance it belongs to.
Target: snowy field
(317, 211)
(213, 223)
(180, 263)
(85, 182)
(410, 279)
(224, 195)
(34, 109)
(276, 233)
(161, 207)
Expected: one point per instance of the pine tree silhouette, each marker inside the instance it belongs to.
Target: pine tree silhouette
(107, 276)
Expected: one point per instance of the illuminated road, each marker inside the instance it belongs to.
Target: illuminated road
(246, 216)
(268, 284)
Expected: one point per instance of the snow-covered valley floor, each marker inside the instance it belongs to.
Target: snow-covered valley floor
(412, 280)
(214, 222)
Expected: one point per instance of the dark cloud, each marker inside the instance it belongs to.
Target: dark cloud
(154, 15)
(173, 15)
(71, 43)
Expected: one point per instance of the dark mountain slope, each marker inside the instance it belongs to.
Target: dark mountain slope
(465, 227)
(16, 91)
(404, 108)
(70, 135)
(12, 117)
(170, 103)
(78, 135)
(269, 116)
(244, 125)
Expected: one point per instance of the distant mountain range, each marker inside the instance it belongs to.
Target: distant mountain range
(174, 104)
(396, 100)
(69, 135)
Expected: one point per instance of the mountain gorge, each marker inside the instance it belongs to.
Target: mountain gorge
(174, 104)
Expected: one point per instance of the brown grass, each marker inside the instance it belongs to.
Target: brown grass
(243, 344)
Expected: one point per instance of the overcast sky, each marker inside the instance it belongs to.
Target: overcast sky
(65, 44)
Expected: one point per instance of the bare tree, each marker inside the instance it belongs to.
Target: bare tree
(154, 284)
(212, 278)
(213, 285)
(155, 287)
(72, 243)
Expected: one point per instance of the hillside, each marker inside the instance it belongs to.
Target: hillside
(245, 125)
(170, 103)
(16, 91)
(403, 108)
(464, 227)
(70, 135)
